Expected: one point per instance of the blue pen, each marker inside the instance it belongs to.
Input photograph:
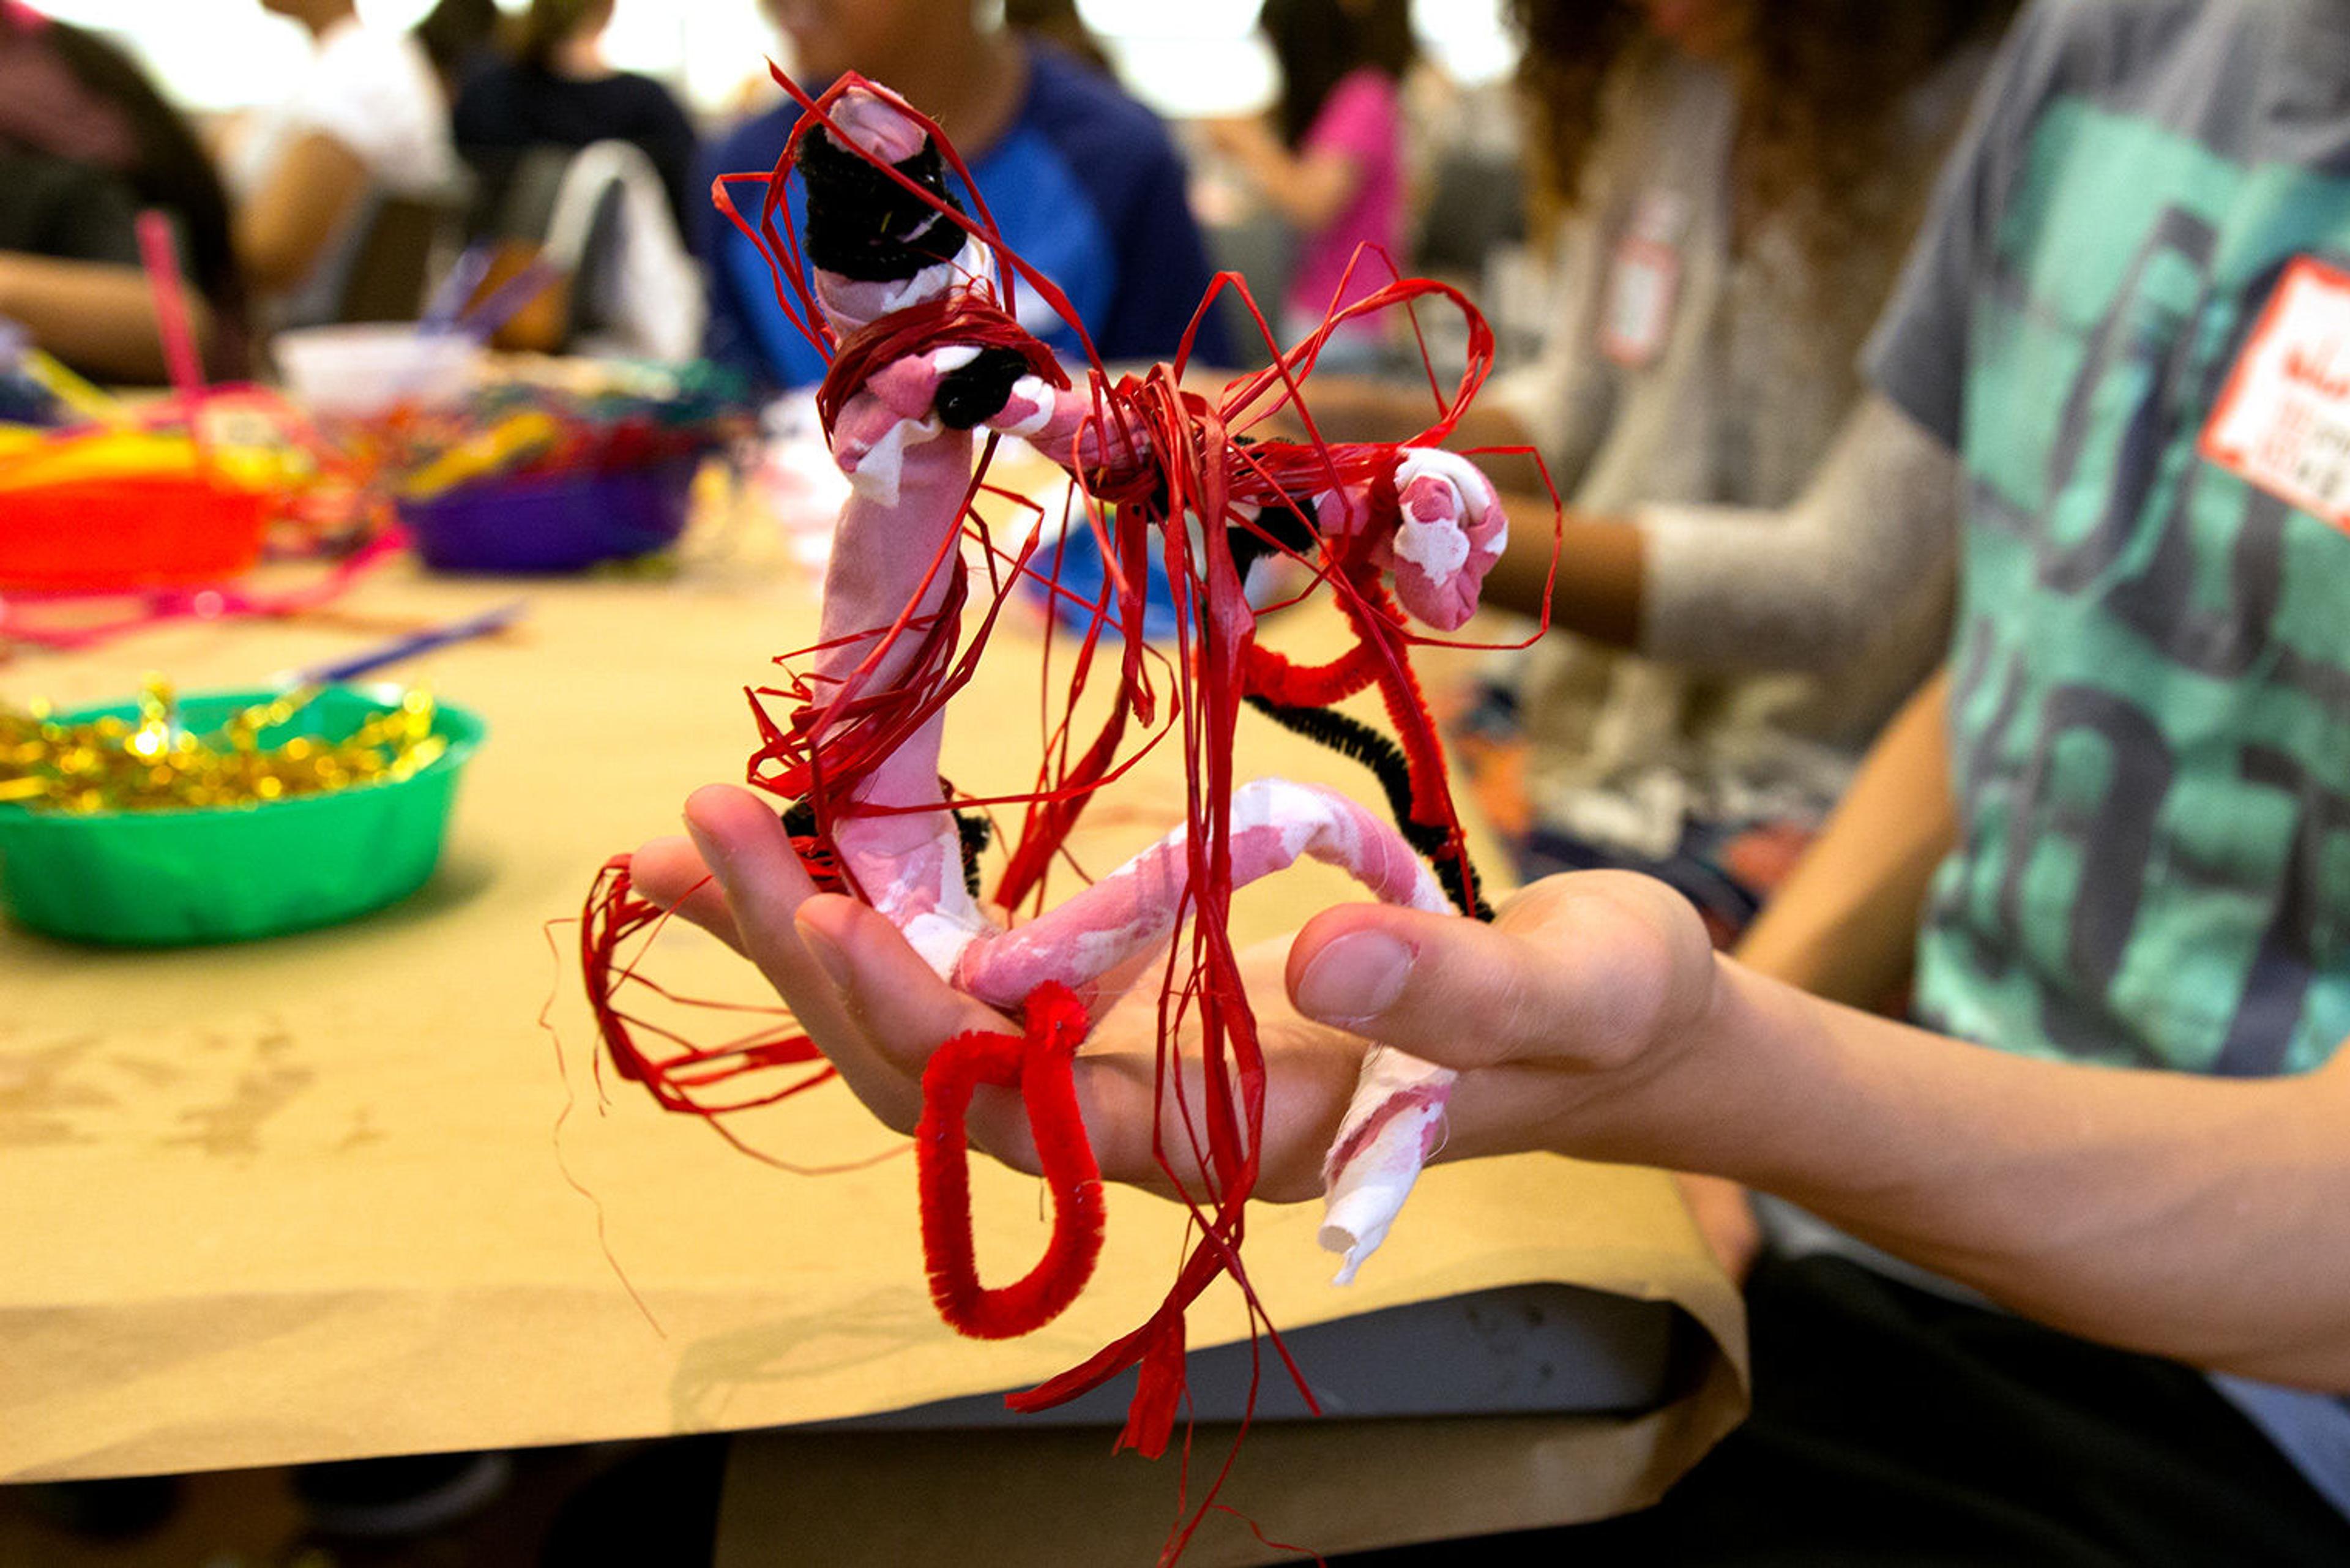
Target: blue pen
(456, 291)
(507, 301)
(404, 646)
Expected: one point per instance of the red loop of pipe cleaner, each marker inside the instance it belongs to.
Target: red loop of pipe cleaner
(1272, 675)
(1040, 1064)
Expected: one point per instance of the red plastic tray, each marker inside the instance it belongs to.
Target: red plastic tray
(124, 533)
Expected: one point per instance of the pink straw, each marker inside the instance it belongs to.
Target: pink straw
(160, 254)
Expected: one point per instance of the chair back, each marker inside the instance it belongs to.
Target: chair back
(634, 288)
(385, 277)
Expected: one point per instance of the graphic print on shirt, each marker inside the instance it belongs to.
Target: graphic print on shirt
(1644, 281)
(2150, 707)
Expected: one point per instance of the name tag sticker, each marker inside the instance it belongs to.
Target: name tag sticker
(2282, 422)
(1643, 282)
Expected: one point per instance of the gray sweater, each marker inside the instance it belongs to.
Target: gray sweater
(1715, 442)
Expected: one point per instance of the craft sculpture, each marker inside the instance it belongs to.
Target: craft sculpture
(914, 298)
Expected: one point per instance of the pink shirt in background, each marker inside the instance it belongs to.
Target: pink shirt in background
(1362, 120)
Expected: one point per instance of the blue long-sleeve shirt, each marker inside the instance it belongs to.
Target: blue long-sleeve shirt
(1084, 184)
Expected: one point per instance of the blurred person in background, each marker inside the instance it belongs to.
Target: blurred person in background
(1736, 180)
(86, 142)
(551, 88)
(1058, 22)
(458, 37)
(1331, 160)
(367, 117)
(1081, 181)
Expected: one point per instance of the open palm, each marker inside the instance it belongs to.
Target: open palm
(877, 1012)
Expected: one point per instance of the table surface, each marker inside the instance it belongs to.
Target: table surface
(344, 1193)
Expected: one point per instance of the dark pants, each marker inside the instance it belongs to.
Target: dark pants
(1893, 1426)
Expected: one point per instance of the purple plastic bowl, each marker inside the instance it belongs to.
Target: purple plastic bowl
(558, 522)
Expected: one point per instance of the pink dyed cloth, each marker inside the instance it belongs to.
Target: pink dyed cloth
(1363, 121)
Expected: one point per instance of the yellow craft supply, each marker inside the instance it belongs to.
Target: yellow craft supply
(61, 383)
(154, 762)
(487, 452)
(242, 452)
(63, 457)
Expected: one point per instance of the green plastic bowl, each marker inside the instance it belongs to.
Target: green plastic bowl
(231, 873)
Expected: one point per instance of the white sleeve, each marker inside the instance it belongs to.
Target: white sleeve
(1812, 586)
(375, 93)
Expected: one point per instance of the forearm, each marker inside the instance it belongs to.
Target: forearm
(1812, 585)
(1747, 588)
(99, 315)
(2191, 1218)
(1364, 409)
(1367, 409)
(284, 227)
(1597, 587)
(1308, 192)
(1844, 924)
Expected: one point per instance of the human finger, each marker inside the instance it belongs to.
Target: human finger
(1136, 1121)
(906, 1012)
(888, 992)
(670, 872)
(1724, 1213)
(1106, 990)
(747, 847)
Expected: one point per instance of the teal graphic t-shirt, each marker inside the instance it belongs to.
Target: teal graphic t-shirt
(2150, 678)
(2151, 701)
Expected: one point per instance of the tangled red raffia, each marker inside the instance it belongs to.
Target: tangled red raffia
(1181, 455)
(614, 914)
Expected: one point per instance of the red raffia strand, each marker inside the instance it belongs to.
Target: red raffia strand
(959, 318)
(1172, 454)
(555, 1137)
(614, 914)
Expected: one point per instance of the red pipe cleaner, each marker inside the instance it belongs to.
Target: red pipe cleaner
(1039, 1064)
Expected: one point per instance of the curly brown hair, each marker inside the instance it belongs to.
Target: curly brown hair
(1820, 82)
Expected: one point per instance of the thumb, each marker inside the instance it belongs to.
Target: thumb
(1579, 972)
